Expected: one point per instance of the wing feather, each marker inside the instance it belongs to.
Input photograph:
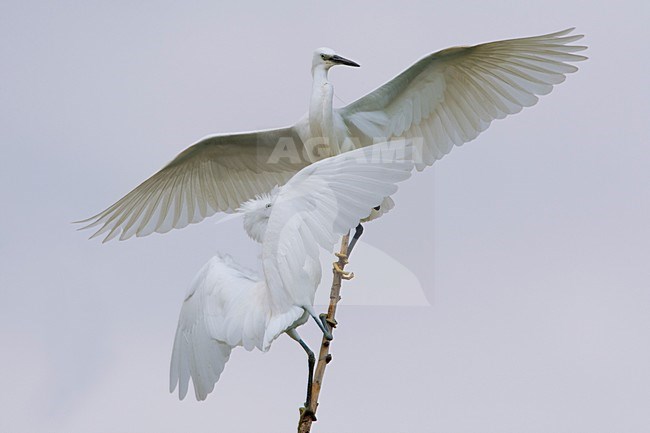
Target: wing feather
(449, 97)
(224, 308)
(217, 173)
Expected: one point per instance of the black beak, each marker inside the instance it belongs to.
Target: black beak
(343, 61)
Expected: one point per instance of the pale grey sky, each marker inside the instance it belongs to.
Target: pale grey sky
(531, 243)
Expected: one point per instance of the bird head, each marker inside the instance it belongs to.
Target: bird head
(257, 212)
(326, 58)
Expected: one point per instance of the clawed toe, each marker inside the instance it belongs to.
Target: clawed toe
(344, 257)
(326, 320)
(305, 412)
(344, 274)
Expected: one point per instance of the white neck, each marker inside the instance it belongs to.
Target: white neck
(321, 123)
(319, 74)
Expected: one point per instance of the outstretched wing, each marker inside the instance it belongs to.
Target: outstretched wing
(318, 205)
(451, 96)
(221, 311)
(217, 173)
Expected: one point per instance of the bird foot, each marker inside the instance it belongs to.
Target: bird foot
(344, 274)
(306, 412)
(343, 257)
(326, 320)
(328, 324)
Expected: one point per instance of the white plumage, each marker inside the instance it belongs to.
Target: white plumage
(228, 305)
(445, 99)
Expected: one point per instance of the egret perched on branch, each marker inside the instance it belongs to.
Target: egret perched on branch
(447, 98)
(229, 306)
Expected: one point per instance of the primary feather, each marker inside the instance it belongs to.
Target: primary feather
(450, 96)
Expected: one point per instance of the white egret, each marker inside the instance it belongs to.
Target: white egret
(229, 306)
(447, 98)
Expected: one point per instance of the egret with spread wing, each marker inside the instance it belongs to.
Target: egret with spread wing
(229, 306)
(447, 98)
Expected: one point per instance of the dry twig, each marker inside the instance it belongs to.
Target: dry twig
(308, 414)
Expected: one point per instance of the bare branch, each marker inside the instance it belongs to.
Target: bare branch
(308, 414)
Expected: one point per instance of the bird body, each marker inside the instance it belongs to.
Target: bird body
(229, 306)
(446, 98)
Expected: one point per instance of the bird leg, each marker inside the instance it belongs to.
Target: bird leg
(326, 330)
(327, 323)
(357, 234)
(324, 326)
(311, 362)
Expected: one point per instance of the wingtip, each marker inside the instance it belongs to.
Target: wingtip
(94, 235)
(563, 32)
(83, 220)
(559, 34)
(78, 229)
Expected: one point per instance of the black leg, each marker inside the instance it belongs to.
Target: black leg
(311, 360)
(357, 234)
(327, 324)
(324, 326)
